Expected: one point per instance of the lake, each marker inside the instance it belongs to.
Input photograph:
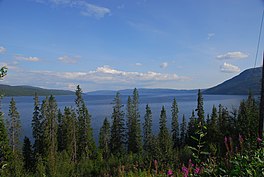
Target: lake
(100, 106)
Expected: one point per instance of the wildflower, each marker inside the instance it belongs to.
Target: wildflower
(185, 171)
(170, 172)
(259, 140)
(197, 170)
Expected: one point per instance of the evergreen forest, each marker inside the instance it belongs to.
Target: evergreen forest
(224, 143)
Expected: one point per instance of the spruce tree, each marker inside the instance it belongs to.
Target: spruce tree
(86, 143)
(147, 132)
(60, 137)
(134, 132)
(70, 133)
(164, 136)
(104, 139)
(37, 128)
(183, 131)
(117, 140)
(199, 109)
(175, 123)
(14, 127)
(50, 113)
(28, 156)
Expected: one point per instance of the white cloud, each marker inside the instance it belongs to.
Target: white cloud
(210, 35)
(232, 55)
(2, 50)
(29, 59)
(69, 59)
(86, 9)
(229, 68)
(164, 65)
(138, 64)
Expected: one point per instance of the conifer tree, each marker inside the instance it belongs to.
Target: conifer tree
(50, 113)
(148, 138)
(104, 138)
(212, 128)
(60, 137)
(70, 133)
(5, 150)
(175, 123)
(86, 143)
(14, 126)
(199, 109)
(183, 131)
(164, 136)
(134, 132)
(117, 139)
(28, 156)
(37, 128)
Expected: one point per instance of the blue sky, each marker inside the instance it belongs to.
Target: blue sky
(119, 44)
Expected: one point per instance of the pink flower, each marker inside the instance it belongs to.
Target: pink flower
(259, 140)
(185, 171)
(170, 172)
(197, 170)
(225, 139)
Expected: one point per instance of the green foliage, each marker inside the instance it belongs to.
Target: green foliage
(148, 138)
(28, 156)
(117, 140)
(104, 139)
(175, 124)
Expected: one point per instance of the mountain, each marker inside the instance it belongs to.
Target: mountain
(248, 80)
(142, 91)
(25, 90)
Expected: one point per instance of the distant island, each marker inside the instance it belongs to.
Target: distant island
(247, 81)
(8, 90)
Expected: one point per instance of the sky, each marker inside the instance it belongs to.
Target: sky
(121, 44)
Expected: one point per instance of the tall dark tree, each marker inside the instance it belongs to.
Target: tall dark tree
(50, 113)
(86, 143)
(134, 131)
(164, 136)
(147, 132)
(28, 156)
(60, 137)
(70, 133)
(37, 128)
(183, 131)
(14, 126)
(175, 123)
(5, 150)
(117, 140)
(104, 138)
(200, 109)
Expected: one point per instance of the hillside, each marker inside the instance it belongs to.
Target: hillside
(8, 90)
(142, 91)
(248, 80)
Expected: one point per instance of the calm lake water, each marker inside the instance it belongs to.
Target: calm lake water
(100, 106)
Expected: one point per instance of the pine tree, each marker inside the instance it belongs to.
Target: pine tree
(104, 138)
(14, 126)
(183, 131)
(5, 150)
(117, 139)
(175, 123)
(212, 128)
(134, 132)
(192, 125)
(86, 143)
(164, 136)
(147, 132)
(37, 128)
(50, 113)
(28, 156)
(60, 138)
(70, 133)
(199, 109)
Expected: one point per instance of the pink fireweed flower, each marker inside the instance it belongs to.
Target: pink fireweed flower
(185, 171)
(197, 170)
(170, 172)
(259, 140)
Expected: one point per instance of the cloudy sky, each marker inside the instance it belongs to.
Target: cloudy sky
(119, 44)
